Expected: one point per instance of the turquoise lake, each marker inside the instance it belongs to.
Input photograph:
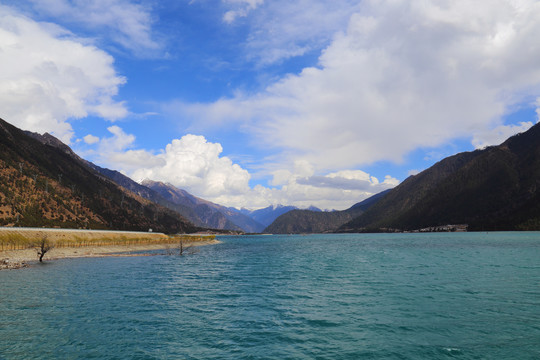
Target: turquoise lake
(368, 296)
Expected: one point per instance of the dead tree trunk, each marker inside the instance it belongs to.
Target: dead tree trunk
(42, 247)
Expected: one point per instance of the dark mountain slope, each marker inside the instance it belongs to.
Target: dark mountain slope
(43, 184)
(188, 210)
(149, 194)
(308, 221)
(370, 201)
(492, 189)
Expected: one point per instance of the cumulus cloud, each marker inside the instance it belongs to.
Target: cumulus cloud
(126, 23)
(336, 190)
(191, 163)
(118, 151)
(302, 187)
(196, 165)
(90, 139)
(48, 77)
(403, 75)
(331, 191)
(119, 142)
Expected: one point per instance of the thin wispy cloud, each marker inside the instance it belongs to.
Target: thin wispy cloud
(123, 22)
(280, 30)
(241, 9)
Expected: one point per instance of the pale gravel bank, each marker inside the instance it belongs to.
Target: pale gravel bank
(13, 259)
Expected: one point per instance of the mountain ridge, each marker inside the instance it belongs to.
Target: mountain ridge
(267, 215)
(44, 184)
(496, 188)
(228, 218)
(200, 212)
(309, 221)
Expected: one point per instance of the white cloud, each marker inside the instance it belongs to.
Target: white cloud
(281, 29)
(338, 190)
(119, 142)
(119, 152)
(302, 187)
(403, 75)
(48, 77)
(499, 134)
(196, 165)
(133, 160)
(90, 139)
(191, 163)
(241, 9)
(126, 23)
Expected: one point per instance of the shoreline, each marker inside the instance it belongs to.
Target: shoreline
(16, 259)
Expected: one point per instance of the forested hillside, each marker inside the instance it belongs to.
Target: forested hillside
(497, 188)
(44, 185)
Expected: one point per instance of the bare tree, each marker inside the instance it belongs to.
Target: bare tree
(181, 249)
(42, 247)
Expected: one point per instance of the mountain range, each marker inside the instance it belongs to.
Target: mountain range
(195, 212)
(267, 215)
(316, 221)
(207, 213)
(200, 212)
(43, 183)
(496, 188)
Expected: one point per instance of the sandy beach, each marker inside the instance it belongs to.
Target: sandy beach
(13, 259)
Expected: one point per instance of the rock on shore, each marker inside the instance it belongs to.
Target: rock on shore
(12, 264)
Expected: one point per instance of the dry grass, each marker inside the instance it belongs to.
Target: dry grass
(20, 238)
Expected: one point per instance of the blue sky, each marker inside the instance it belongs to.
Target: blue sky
(249, 103)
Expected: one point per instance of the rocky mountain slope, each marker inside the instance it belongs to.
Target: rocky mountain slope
(211, 214)
(42, 183)
(198, 211)
(189, 212)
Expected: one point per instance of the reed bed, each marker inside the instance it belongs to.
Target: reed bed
(19, 239)
(14, 241)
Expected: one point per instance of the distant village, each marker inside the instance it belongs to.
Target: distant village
(445, 228)
(441, 228)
